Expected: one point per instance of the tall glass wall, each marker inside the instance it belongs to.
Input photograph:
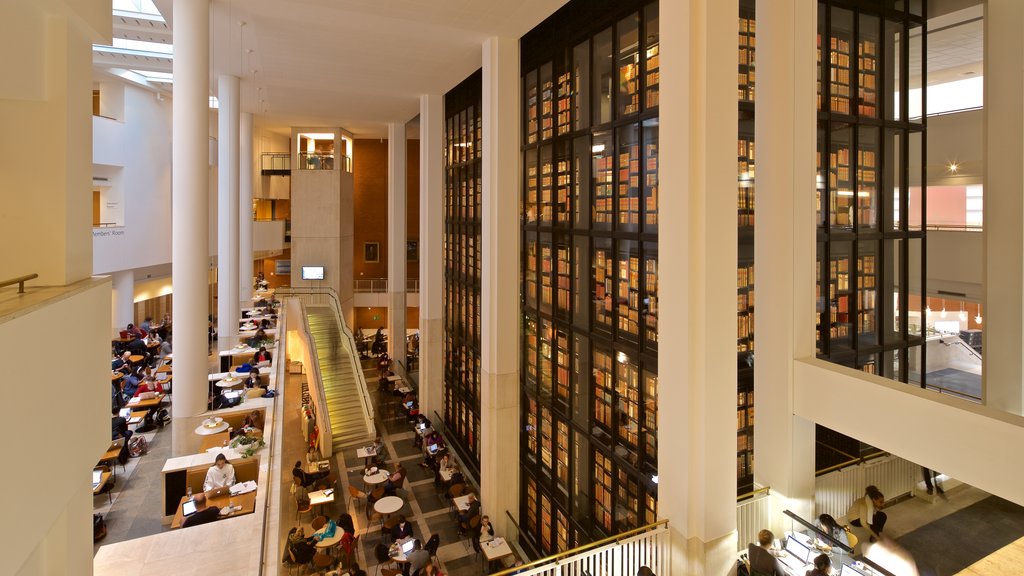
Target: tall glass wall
(589, 274)
(462, 268)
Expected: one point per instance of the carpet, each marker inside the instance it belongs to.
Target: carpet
(960, 539)
(957, 381)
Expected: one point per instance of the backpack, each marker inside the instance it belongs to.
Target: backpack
(137, 446)
(162, 417)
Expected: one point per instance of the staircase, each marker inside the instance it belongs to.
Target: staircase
(349, 423)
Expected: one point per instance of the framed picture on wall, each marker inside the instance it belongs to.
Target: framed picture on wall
(412, 250)
(371, 252)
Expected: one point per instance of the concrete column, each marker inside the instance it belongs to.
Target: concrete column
(697, 276)
(499, 286)
(431, 253)
(784, 248)
(397, 234)
(122, 299)
(227, 209)
(190, 208)
(1003, 369)
(245, 179)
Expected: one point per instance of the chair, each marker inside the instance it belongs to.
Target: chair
(377, 494)
(109, 486)
(380, 552)
(318, 523)
(322, 562)
(470, 526)
(299, 510)
(387, 526)
(355, 494)
(432, 545)
(454, 492)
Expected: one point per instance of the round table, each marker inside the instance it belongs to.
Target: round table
(379, 478)
(388, 505)
(204, 430)
(230, 382)
(328, 542)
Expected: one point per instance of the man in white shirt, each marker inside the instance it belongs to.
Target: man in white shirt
(219, 475)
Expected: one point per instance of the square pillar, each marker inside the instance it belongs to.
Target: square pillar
(697, 283)
(397, 236)
(499, 284)
(431, 372)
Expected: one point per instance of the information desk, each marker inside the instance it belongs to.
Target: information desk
(247, 501)
(190, 471)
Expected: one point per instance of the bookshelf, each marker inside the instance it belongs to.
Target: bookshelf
(745, 294)
(589, 270)
(629, 178)
(867, 78)
(747, 45)
(866, 298)
(840, 185)
(461, 317)
(745, 308)
(745, 434)
(839, 75)
(839, 301)
(745, 181)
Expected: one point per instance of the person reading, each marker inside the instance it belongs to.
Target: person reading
(762, 561)
(220, 475)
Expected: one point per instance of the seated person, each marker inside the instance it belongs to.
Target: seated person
(302, 549)
(121, 363)
(401, 530)
(147, 324)
(261, 356)
(354, 570)
(204, 516)
(257, 338)
(266, 324)
(486, 530)
(149, 384)
(828, 525)
(760, 556)
(457, 478)
(137, 346)
(473, 510)
(418, 558)
(152, 339)
(220, 475)
(131, 384)
(394, 480)
(221, 401)
(119, 429)
(307, 479)
(254, 380)
(822, 566)
(445, 462)
(346, 524)
(132, 330)
(165, 348)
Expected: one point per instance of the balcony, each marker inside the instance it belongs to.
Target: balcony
(275, 164)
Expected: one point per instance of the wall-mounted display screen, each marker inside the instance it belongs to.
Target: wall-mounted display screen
(312, 272)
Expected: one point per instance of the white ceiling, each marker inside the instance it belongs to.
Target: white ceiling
(358, 64)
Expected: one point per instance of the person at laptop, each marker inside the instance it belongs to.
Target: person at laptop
(822, 566)
(473, 510)
(401, 530)
(201, 516)
(418, 558)
(220, 475)
(261, 356)
(307, 479)
(761, 558)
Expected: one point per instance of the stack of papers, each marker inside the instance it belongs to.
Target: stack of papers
(243, 488)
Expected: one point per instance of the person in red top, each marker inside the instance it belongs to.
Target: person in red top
(150, 384)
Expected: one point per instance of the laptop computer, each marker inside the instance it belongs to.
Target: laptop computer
(797, 551)
(432, 448)
(408, 546)
(408, 404)
(188, 508)
(848, 570)
(222, 491)
(97, 475)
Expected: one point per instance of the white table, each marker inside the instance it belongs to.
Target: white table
(446, 474)
(204, 430)
(379, 478)
(230, 382)
(388, 505)
(328, 542)
(366, 452)
(462, 502)
(394, 378)
(321, 497)
(496, 549)
(404, 389)
(423, 433)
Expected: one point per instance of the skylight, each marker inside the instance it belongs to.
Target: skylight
(139, 6)
(143, 46)
(155, 76)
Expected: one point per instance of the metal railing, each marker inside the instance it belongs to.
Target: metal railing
(275, 161)
(623, 553)
(20, 281)
(323, 161)
(380, 285)
(328, 297)
(319, 395)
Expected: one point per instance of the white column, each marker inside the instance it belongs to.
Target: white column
(245, 179)
(190, 209)
(227, 209)
(697, 281)
(499, 286)
(122, 299)
(784, 248)
(1004, 206)
(431, 254)
(397, 234)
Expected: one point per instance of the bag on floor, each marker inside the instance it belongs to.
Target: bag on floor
(162, 417)
(99, 527)
(137, 446)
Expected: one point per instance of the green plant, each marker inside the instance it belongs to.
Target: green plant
(247, 445)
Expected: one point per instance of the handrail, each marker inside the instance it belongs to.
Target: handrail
(951, 392)
(322, 410)
(852, 462)
(579, 549)
(20, 281)
(835, 543)
(956, 339)
(751, 494)
(282, 367)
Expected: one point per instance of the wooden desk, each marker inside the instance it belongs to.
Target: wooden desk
(135, 358)
(115, 376)
(246, 501)
(114, 451)
(145, 404)
(165, 369)
(214, 441)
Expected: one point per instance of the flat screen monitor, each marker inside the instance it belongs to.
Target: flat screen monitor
(312, 272)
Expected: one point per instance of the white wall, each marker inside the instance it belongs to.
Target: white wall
(142, 146)
(56, 422)
(955, 263)
(268, 235)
